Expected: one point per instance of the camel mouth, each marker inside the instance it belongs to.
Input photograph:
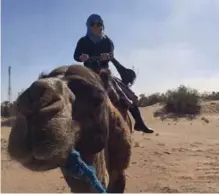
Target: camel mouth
(37, 154)
(36, 162)
(39, 164)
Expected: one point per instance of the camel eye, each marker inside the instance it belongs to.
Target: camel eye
(97, 97)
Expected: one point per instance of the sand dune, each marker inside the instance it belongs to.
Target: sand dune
(182, 156)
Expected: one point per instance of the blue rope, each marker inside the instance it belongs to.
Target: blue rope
(79, 168)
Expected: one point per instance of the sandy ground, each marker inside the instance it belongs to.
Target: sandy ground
(182, 156)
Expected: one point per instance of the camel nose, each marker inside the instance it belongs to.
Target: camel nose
(30, 98)
(44, 93)
(37, 91)
(39, 95)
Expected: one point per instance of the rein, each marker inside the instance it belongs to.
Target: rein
(79, 168)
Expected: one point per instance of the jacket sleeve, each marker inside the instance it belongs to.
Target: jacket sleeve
(111, 46)
(78, 50)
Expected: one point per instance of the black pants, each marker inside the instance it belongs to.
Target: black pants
(136, 114)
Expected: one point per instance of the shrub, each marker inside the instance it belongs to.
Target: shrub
(8, 109)
(183, 100)
(154, 98)
(210, 96)
(149, 100)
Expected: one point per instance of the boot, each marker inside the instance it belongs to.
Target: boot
(139, 123)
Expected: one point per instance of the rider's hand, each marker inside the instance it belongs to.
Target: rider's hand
(105, 57)
(84, 57)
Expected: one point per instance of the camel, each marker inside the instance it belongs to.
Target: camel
(69, 109)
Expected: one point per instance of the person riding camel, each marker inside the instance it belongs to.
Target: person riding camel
(96, 43)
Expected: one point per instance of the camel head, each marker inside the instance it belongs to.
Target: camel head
(56, 115)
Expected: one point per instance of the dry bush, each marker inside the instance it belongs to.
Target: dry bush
(183, 100)
(7, 109)
(151, 99)
(210, 96)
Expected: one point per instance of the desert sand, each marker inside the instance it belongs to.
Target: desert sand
(181, 156)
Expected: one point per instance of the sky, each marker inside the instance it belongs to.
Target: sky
(168, 43)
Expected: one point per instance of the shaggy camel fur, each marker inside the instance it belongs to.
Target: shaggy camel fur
(72, 111)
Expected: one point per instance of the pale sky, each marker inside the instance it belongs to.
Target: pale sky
(169, 42)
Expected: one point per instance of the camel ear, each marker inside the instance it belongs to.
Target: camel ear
(105, 75)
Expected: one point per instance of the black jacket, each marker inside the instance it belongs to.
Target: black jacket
(87, 46)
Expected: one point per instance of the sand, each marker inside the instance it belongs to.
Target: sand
(182, 156)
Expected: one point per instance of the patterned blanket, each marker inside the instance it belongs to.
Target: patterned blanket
(123, 91)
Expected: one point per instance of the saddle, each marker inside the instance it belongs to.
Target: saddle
(118, 89)
(119, 93)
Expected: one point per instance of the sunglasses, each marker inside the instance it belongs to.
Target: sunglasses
(98, 24)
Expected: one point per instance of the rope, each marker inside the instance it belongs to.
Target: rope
(79, 168)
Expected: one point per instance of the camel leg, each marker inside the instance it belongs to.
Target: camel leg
(119, 159)
(117, 182)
